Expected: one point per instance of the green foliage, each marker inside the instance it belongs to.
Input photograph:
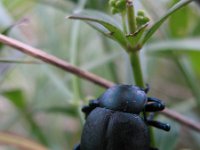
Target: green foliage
(111, 29)
(179, 21)
(117, 6)
(50, 111)
(155, 27)
(70, 111)
(16, 97)
(5, 32)
(141, 19)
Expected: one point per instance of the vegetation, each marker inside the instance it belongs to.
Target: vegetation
(158, 45)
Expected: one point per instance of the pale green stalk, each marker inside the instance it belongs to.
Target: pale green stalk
(74, 60)
(134, 55)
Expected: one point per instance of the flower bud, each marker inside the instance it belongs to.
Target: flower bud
(141, 13)
(121, 4)
(141, 18)
(117, 6)
(112, 3)
(114, 10)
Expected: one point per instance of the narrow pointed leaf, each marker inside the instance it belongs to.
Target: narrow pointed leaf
(5, 32)
(155, 27)
(103, 23)
(190, 77)
(179, 22)
(185, 46)
(70, 111)
(16, 97)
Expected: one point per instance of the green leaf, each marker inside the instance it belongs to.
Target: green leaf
(195, 62)
(103, 23)
(16, 97)
(185, 46)
(155, 27)
(5, 32)
(190, 77)
(71, 111)
(179, 21)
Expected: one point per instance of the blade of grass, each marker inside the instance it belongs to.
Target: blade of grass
(184, 46)
(189, 75)
(156, 26)
(69, 111)
(74, 59)
(16, 96)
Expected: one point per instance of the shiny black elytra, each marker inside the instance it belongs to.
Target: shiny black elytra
(113, 121)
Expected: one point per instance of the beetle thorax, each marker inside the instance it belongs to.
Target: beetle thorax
(126, 98)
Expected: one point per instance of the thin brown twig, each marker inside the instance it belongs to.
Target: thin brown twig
(50, 59)
(182, 119)
(39, 54)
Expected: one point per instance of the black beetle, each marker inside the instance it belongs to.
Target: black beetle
(113, 121)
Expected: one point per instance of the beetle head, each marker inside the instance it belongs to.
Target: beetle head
(126, 98)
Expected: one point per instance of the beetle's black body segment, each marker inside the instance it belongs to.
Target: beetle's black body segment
(113, 130)
(113, 121)
(124, 98)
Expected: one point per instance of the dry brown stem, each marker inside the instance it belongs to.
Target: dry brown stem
(41, 55)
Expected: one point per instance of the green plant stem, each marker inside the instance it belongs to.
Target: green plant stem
(131, 17)
(123, 14)
(134, 56)
(74, 60)
(136, 67)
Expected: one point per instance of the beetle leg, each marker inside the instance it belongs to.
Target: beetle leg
(154, 105)
(77, 147)
(159, 125)
(92, 105)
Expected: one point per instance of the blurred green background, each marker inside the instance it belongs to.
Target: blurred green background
(43, 103)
